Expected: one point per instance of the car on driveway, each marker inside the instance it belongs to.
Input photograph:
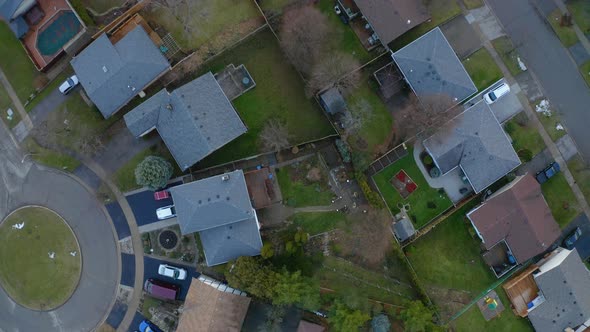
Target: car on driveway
(548, 172)
(172, 272)
(69, 84)
(166, 212)
(570, 241)
(147, 326)
(496, 93)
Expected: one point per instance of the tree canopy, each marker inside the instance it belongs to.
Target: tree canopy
(153, 172)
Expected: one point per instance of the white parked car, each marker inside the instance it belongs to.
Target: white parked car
(496, 93)
(172, 272)
(69, 84)
(166, 212)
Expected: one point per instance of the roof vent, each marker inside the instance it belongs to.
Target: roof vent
(409, 21)
(105, 69)
(169, 107)
(225, 177)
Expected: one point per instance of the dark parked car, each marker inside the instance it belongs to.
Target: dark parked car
(147, 326)
(570, 241)
(548, 172)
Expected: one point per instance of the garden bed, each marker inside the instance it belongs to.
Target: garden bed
(305, 183)
(168, 242)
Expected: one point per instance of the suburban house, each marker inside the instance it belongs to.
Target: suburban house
(431, 68)
(112, 72)
(219, 208)
(193, 120)
(476, 142)
(554, 293)
(515, 224)
(44, 27)
(212, 306)
(385, 20)
(305, 326)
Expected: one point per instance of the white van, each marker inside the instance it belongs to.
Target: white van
(166, 212)
(498, 92)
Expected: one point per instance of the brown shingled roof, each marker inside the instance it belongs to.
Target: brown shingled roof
(208, 309)
(305, 326)
(392, 18)
(520, 216)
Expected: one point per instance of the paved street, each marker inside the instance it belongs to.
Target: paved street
(23, 183)
(550, 62)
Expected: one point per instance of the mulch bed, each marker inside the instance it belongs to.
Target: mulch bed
(403, 184)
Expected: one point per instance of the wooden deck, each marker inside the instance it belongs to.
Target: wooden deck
(133, 22)
(521, 290)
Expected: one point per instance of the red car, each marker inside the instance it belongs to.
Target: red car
(162, 194)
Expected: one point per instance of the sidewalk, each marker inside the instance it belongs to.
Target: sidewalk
(17, 103)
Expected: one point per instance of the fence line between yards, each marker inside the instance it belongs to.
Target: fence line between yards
(329, 290)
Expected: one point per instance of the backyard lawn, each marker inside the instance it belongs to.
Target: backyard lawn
(49, 157)
(15, 63)
(319, 222)
(507, 321)
(524, 135)
(124, 177)
(561, 199)
(207, 20)
(567, 35)
(440, 12)
(376, 120)
(503, 45)
(482, 68)
(580, 10)
(279, 94)
(581, 172)
(425, 202)
(305, 184)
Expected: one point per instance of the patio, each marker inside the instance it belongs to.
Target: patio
(498, 258)
(390, 80)
(523, 292)
(263, 188)
(235, 81)
(452, 182)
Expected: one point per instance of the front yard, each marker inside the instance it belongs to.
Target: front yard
(5, 104)
(524, 136)
(581, 172)
(503, 45)
(425, 202)
(279, 94)
(561, 199)
(580, 10)
(448, 262)
(507, 321)
(482, 68)
(566, 34)
(549, 122)
(15, 63)
(585, 70)
(305, 184)
(49, 157)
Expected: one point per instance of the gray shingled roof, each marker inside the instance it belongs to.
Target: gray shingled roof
(404, 229)
(223, 214)
(566, 289)
(194, 120)
(11, 9)
(113, 74)
(476, 142)
(333, 102)
(431, 67)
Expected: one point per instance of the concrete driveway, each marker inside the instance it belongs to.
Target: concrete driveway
(551, 63)
(504, 108)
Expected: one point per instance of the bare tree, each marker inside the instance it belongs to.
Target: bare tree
(275, 136)
(423, 116)
(338, 70)
(304, 32)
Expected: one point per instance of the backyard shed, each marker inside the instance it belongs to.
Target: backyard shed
(333, 102)
(403, 229)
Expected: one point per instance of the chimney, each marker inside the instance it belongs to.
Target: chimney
(225, 177)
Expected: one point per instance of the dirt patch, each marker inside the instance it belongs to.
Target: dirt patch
(314, 175)
(449, 301)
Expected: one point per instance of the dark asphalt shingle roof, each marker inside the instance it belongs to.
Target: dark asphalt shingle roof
(193, 120)
(221, 211)
(566, 288)
(475, 141)
(11, 9)
(431, 67)
(404, 229)
(333, 101)
(392, 18)
(113, 74)
(19, 27)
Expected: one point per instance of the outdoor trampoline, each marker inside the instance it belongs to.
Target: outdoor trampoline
(57, 32)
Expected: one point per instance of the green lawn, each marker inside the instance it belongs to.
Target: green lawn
(482, 68)
(5, 104)
(561, 199)
(49, 89)
(567, 35)
(27, 273)
(49, 157)
(279, 93)
(580, 10)
(440, 12)
(503, 45)
(15, 63)
(149, 302)
(581, 172)
(124, 177)
(524, 135)
(341, 276)
(101, 6)
(376, 119)
(319, 222)
(507, 321)
(549, 123)
(275, 6)
(298, 191)
(344, 39)
(419, 200)
(585, 71)
(209, 19)
(472, 4)
(449, 257)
